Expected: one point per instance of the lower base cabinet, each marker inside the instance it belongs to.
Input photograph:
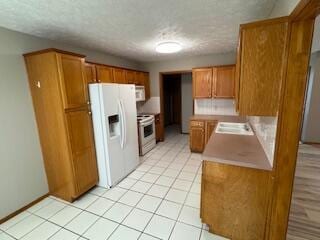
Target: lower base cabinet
(83, 151)
(200, 133)
(197, 136)
(235, 201)
(159, 128)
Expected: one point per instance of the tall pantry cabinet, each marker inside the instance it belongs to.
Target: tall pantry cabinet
(60, 97)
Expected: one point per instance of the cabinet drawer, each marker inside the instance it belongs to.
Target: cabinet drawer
(196, 123)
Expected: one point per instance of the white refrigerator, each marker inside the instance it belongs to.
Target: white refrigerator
(114, 116)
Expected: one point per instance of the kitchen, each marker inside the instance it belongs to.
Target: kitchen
(85, 117)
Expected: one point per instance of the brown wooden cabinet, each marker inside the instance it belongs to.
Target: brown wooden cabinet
(130, 76)
(214, 82)
(146, 83)
(91, 73)
(108, 74)
(159, 128)
(223, 82)
(73, 81)
(197, 136)
(58, 87)
(260, 66)
(202, 82)
(200, 133)
(210, 125)
(104, 74)
(139, 78)
(235, 200)
(82, 148)
(119, 76)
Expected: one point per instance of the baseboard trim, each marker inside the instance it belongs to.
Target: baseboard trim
(23, 208)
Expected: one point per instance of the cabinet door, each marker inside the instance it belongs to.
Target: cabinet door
(210, 126)
(73, 81)
(83, 150)
(146, 85)
(263, 50)
(202, 82)
(197, 136)
(139, 78)
(130, 76)
(224, 81)
(104, 74)
(90, 73)
(119, 76)
(159, 129)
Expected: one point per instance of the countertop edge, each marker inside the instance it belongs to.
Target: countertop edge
(235, 163)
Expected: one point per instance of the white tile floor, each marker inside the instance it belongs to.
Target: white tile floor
(159, 200)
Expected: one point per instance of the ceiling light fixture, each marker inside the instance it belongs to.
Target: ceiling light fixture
(168, 47)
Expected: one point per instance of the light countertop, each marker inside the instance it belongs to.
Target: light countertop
(232, 149)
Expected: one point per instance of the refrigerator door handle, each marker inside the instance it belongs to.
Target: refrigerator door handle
(124, 124)
(121, 124)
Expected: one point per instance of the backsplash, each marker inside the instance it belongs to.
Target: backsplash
(214, 107)
(265, 129)
(150, 106)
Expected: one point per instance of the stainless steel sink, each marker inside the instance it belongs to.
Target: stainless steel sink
(234, 128)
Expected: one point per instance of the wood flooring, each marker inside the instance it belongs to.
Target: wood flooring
(304, 220)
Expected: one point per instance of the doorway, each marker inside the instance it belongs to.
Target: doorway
(304, 218)
(176, 101)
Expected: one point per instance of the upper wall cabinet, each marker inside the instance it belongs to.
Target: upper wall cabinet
(139, 78)
(146, 83)
(202, 82)
(119, 75)
(90, 72)
(223, 82)
(260, 64)
(130, 76)
(214, 82)
(104, 74)
(73, 81)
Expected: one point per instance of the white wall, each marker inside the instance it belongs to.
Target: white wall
(283, 8)
(185, 63)
(22, 176)
(186, 101)
(316, 36)
(311, 127)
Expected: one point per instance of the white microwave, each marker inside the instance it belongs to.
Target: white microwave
(140, 94)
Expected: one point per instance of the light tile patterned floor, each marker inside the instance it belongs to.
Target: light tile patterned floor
(160, 200)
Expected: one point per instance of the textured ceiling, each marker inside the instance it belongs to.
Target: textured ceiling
(133, 28)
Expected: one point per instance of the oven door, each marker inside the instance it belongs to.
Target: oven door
(147, 132)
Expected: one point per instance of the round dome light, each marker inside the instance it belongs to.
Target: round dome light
(168, 47)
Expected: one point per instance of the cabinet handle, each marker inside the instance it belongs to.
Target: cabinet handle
(89, 112)
(88, 103)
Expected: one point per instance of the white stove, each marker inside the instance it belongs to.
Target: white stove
(146, 132)
(144, 118)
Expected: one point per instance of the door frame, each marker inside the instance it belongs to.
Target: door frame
(161, 74)
(301, 27)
